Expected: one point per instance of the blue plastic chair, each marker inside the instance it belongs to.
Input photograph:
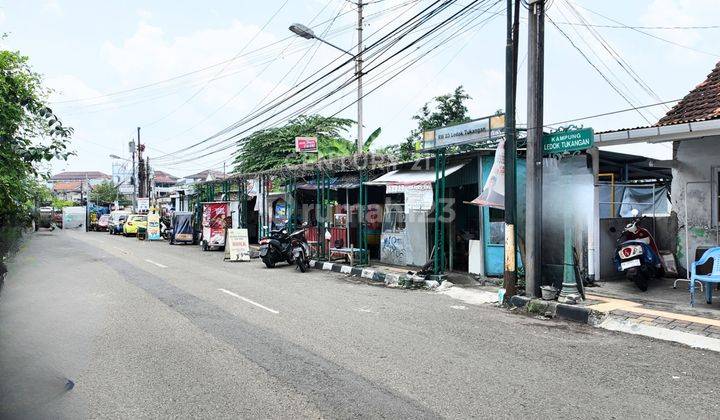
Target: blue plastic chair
(708, 279)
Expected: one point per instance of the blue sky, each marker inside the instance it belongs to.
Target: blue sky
(87, 49)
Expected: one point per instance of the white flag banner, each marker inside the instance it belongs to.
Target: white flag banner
(493, 193)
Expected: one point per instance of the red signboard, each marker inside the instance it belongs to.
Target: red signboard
(306, 144)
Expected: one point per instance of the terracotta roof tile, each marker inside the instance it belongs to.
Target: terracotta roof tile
(67, 186)
(67, 176)
(702, 103)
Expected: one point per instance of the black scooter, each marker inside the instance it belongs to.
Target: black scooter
(276, 248)
(301, 250)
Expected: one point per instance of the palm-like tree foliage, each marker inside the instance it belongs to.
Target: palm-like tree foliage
(275, 147)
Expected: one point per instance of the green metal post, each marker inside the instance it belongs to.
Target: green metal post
(366, 256)
(318, 212)
(442, 202)
(361, 217)
(436, 236)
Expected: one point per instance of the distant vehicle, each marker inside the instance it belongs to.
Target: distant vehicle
(133, 223)
(117, 220)
(103, 223)
(45, 219)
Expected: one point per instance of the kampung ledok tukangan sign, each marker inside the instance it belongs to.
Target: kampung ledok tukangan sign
(568, 141)
(475, 131)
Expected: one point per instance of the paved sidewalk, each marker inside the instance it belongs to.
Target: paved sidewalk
(635, 318)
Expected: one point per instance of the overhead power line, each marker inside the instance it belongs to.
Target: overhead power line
(263, 48)
(594, 66)
(293, 92)
(197, 92)
(440, 25)
(677, 44)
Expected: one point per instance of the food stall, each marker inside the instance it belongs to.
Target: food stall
(214, 223)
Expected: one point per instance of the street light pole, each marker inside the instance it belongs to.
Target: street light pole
(307, 33)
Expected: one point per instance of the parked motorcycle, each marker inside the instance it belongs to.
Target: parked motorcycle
(276, 248)
(300, 250)
(165, 227)
(637, 255)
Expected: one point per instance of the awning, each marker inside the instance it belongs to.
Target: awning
(344, 182)
(407, 177)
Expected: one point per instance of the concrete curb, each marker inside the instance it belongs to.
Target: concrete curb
(575, 313)
(374, 276)
(366, 273)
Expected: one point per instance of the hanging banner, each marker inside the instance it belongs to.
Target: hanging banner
(238, 245)
(153, 226)
(493, 193)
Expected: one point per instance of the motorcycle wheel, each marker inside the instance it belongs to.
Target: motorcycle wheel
(301, 265)
(640, 278)
(268, 263)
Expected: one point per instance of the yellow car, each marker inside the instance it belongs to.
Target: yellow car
(133, 222)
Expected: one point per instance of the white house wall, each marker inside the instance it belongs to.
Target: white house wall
(697, 162)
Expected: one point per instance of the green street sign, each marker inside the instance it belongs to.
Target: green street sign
(568, 141)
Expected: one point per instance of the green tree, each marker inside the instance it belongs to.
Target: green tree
(275, 147)
(30, 134)
(447, 109)
(104, 193)
(59, 203)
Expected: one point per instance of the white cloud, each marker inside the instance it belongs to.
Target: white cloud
(680, 13)
(67, 86)
(2, 16)
(52, 7)
(144, 14)
(151, 55)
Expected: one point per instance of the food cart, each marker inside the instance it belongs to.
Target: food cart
(214, 222)
(182, 228)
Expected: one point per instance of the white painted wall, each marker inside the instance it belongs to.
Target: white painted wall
(697, 161)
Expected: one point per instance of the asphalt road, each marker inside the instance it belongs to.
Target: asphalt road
(151, 330)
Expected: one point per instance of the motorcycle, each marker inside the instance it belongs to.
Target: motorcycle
(276, 248)
(637, 254)
(300, 250)
(165, 228)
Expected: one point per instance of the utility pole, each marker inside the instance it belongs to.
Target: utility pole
(533, 187)
(133, 181)
(141, 167)
(148, 177)
(511, 48)
(82, 194)
(359, 67)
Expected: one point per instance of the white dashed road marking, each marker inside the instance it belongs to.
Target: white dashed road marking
(157, 264)
(249, 301)
(121, 249)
